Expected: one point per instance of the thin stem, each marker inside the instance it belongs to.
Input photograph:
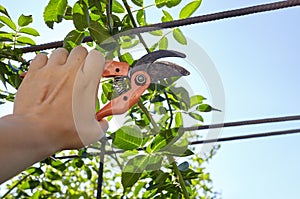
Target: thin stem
(170, 109)
(179, 177)
(20, 181)
(101, 168)
(134, 24)
(109, 16)
(144, 7)
(148, 115)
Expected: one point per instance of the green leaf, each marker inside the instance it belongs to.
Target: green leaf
(6, 36)
(88, 172)
(138, 2)
(117, 7)
(157, 98)
(163, 43)
(53, 175)
(54, 12)
(158, 143)
(129, 179)
(68, 13)
(50, 187)
(130, 44)
(160, 3)
(188, 152)
(4, 11)
(196, 116)
(34, 171)
(29, 31)
(140, 16)
(78, 162)
(134, 169)
(179, 37)
(30, 184)
(172, 3)
(153, 47)
(127, 58)
(8, 22)
(206, 108)
(57, 164)
(138, 188)
(73, 38)
(157, 32)
(98, 33)
(196, 99)
(80, 15)
(128, 138)
(36, 195)
(25, 40)
(178, 119)
(137, 164)
(107, 89)
(24, 20)
(189, 9)
(182, 95)
(167, 16)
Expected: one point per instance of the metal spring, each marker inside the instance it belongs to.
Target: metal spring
(121, 85)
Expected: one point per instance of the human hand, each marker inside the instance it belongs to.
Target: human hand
(57, 95)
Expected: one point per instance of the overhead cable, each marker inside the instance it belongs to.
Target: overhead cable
(183, 22)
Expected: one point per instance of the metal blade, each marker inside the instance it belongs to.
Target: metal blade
(151, 57)
(162, 69)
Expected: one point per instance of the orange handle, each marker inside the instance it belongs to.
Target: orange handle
(124, 102)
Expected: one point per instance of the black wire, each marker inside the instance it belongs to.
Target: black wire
(224, 139)
(249, 136)
(243, 123)
(101, 168)
(228, 124)
(184, 22)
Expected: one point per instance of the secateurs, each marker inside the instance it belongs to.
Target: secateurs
(145, 71)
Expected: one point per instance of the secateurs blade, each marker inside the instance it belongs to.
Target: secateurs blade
(144, 72)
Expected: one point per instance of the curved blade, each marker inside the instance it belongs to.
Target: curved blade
(151, 57)
(162, 69)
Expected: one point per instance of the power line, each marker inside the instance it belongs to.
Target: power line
(224, 139)
(248, 136)
(241, 123)
(245, 122)
(183, 22)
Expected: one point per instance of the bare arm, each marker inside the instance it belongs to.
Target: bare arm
(54, 110)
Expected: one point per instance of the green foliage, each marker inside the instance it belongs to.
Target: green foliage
(11, 62)
(54, 12)
(189, 9)
(139, 161)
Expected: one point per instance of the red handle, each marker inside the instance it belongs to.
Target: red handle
(124, 102)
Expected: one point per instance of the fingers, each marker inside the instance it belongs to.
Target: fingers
(58, 57)
(39, 61)
(77, 57)
(93, 66)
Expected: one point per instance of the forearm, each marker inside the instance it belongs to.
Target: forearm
(21, 145)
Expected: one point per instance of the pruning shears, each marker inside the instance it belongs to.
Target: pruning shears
(131, 82)
(144, 72)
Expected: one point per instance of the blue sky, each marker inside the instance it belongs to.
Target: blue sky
(257, 58)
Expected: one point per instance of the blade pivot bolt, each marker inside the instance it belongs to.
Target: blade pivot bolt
(140, 80)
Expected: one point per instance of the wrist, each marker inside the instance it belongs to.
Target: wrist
(32, 133)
